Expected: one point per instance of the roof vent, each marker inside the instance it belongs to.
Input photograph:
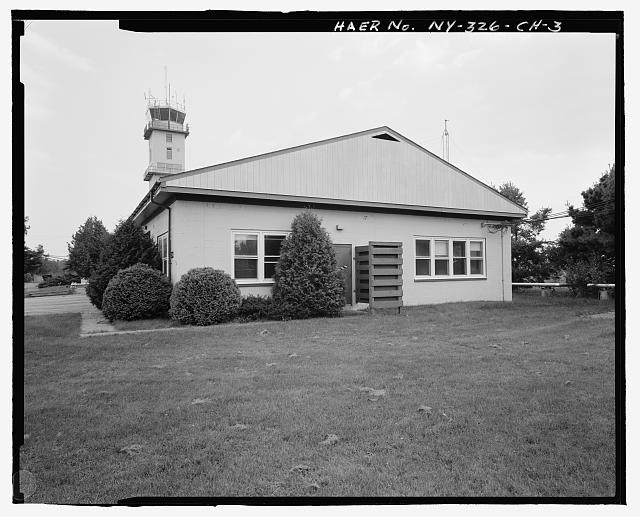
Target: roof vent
(385, 136)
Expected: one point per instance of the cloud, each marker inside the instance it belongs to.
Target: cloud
(46, 47)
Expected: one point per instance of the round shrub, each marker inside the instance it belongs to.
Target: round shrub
(205, 296)
(135, 293)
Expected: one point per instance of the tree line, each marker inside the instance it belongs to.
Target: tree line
(584, 252)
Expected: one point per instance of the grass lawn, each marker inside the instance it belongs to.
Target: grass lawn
(521, 400)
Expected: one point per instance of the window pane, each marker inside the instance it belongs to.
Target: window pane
(272, 244)
(459, 266)
(442, 248)
(476, 248)
(459, 249)
(442, 267)
(476, 267)
(246, 244)
(423, 267)
(423, 249)
(269, 269)
(246, 268)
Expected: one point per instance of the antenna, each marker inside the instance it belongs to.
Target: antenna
(165, 83)
(445, 142)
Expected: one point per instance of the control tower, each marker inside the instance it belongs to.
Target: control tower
(166, 132)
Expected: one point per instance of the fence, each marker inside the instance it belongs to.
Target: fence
(546, 288)
(379, 275)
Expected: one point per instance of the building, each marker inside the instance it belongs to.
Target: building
(375, 185)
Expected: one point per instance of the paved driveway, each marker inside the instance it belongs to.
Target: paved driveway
(78, 302)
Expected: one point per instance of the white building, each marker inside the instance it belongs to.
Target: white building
(375, 185)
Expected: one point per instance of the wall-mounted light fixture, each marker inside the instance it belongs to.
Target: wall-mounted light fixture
(339, 227)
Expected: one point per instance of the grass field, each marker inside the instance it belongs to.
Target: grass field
(518, 400)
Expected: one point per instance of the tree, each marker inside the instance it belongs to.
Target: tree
(529, 255)
(586, 250)
(307, 282)
(128, 245)
(33, 259)
(86, 247)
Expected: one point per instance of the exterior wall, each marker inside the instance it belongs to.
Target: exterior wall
(158, 148)
(201, 235)
(158, 225)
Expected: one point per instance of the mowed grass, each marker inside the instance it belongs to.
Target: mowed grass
(521, 398)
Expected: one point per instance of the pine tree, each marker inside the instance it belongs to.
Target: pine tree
(128, 245)
(307, 282)
(86, 247)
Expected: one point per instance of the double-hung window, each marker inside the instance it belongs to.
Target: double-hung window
(255, 255)
(441, 257)
(163, 249)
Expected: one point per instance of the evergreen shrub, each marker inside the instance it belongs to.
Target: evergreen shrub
(137, 292)
(205, 296)
(307, 281)
(254, 308)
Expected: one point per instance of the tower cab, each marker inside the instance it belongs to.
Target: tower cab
(166, 132)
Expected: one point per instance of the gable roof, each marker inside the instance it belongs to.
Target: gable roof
(378, 166)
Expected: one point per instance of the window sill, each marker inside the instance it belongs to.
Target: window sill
(448, 278)
(249, 283)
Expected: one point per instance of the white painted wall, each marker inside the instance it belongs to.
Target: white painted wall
(158, 147)
(158, 225)
(201, 236)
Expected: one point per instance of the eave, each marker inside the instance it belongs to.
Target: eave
(162, 195)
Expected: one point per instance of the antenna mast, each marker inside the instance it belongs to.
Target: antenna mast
(445, 141)
(165, 83)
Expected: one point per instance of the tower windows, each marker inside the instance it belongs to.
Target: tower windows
(169, 138)
(169, 153)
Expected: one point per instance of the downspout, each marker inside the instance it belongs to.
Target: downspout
(502, 258)
(168, 208)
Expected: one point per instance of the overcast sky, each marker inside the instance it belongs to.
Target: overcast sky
(534, 109)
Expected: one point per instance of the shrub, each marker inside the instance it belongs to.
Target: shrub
(590, 270)
(307, 282)
(255, 308)
(205, 296)
(55, 281)
(128, 245)
(28, 277)
(135, 293)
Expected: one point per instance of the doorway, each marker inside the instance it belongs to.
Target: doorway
(344, 258)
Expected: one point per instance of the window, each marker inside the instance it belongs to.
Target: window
(442, 258)
(423, 257)
(459, 257)
(449, 258)
(169, 153)
(255, 255)
(163, 249)
(169, 138)
(477, 258)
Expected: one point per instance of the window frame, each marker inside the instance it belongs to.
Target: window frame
(261, 234)
(450, 257)
(169, 153)
(169, 139)
(164, 259)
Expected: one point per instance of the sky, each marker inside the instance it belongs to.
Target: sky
(533, 109)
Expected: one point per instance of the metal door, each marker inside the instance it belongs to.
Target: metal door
(344, 260)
